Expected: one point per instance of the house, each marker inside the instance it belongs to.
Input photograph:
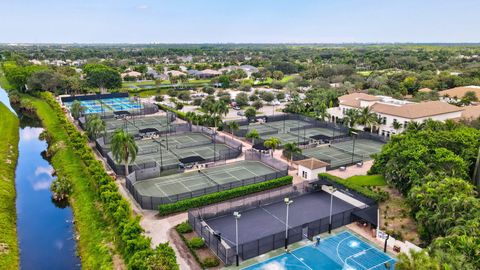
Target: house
(208, 73)
(133, 74)
(425, 90)
(471, 112)
(308, 169)
(391, 111)
(457, 93)
(175, 73)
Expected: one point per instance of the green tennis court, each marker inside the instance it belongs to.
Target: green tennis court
(154, 151)
(363, 147)
(340, 154)
(133, 125)
(196, 180)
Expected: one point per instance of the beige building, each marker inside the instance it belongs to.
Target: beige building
(391, 110)
(308, 169)
(457, 93)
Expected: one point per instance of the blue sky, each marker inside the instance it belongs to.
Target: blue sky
(239, 21)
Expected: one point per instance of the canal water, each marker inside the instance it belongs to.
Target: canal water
(46, 232)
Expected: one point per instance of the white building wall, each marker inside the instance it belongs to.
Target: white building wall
(307, 174)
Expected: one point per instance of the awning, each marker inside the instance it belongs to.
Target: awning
(260, 146)
(191, 159)
(121, 113)
(369, 214)
(321, 137)
(148, 130)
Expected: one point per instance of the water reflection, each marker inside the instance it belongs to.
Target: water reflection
(45, 231)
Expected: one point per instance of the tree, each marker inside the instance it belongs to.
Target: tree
(296, 105)
(44, 80)
(61, 188)
(257, 104)
(367, 118)
(272, 143)
(241, 99)
(250, 113)
(417, 260)
(190, 116)
(233, 126)
(77, 109)
(218, 109)
(468, 98)
(267, 96)
(94, 126)
(289, 149)
(253, 135)
(124, 148)
(102, 76)
(351, 118)
(277, 75)
(320, 110)
(396, 125)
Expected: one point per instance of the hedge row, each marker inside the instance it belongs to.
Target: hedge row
(132, 244)
(376, 196)
(184, 205)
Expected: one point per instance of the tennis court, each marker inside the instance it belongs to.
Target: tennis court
(340, 154)
(134, 124)
(197, 180)
(108, 105)
(167, 151)
(269, 219)
(341, 251)
(292, 131)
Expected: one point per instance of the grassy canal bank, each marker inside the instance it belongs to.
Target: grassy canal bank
(9, 254)
(110, 236)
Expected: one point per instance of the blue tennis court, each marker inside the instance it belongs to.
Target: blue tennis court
(108, 105)
(341, 251)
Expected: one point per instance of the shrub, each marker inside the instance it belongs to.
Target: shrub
(184, 227)
(196, 243)
(184, 205)
(211, 262)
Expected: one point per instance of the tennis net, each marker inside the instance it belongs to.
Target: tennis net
(188, 145)
(346, 151)
(269, 126)
(147, 150)
(208, 177)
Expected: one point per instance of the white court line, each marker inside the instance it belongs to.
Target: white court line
(353, 255)
(301, 261)
(380, 264)
(338, 245)
(273, 215)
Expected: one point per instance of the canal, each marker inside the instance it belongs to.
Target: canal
(46, 232)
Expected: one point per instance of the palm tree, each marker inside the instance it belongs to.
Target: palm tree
(124, 148)
(320, 110)
(420, 260)
(77, 109)
(396, 125)
(272, 143)
(253, 134)
(367, 118)
(233, 126)
(94, 126)
(296, 105)
(218, 109)
(289, 149)
(190, 116)
(351, 118)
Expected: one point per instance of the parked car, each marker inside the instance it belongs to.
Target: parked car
(236, 108)
(240, 113)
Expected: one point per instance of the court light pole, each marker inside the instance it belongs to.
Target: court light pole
(287, 202)
(332, 190)
(237, 216)
(353, 146)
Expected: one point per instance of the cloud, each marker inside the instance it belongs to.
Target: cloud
(28, 134)
(41, 185)
(43, 170)
(58, 244)
(142, 7)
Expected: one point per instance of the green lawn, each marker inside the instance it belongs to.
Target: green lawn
(367, 180)
(8, 161)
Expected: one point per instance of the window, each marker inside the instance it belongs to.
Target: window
(304, 174)
(405, 124)
(384, 120)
